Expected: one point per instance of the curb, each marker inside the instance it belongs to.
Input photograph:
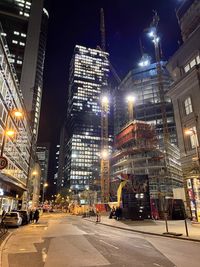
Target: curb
(147, 233)
(2, 247)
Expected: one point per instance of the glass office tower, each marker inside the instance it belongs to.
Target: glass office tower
(24, 25)
(143, 82)
(89, 72)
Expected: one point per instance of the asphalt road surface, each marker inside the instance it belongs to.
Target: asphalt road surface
(62, 241)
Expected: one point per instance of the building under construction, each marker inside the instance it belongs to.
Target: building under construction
(136, 152)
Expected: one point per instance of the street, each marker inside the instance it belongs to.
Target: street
(63, 240)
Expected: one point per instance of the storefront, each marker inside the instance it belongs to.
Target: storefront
(11, 193)
(193, 187)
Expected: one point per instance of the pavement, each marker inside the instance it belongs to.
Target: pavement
(154, 227)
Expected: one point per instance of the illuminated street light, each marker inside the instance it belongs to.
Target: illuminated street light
(43, 191)
(18, 114)
(34, 173)
(9, 133)
(131, 100)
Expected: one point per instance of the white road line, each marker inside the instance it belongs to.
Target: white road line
(156, 264)
(108, 244)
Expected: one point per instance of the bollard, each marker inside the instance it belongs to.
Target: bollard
(166, 224)
(186, 227)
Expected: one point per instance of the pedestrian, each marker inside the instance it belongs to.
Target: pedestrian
(112, 212)
(117, 213)
(98, 216)
(31, 216)
(36, 215)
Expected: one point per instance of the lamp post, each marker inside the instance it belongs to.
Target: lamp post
(192, 132)
(43, 192)
(131, 100)
(9, 132)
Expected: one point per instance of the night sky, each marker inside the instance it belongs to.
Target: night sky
(74, 22)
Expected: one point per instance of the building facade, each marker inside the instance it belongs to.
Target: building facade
(142, 82)
(43, 159)
(185, 94)
(25, 27)
(89, 72)
(16, 147)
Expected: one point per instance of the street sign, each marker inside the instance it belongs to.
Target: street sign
(3, 163)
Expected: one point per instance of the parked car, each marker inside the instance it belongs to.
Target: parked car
(12, 219)
(24, 214)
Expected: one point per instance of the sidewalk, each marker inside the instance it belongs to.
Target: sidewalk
(154, 227)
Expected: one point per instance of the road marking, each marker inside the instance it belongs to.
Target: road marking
(108, 244)
(22, 249)
(44, 255)
(156, 264)
(146, 246)
(137, 246)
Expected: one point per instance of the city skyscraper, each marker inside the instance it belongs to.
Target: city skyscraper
(142, 82)
(24, 24)
(89, 73)
(43, 159)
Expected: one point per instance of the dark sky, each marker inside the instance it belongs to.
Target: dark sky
(74, 22)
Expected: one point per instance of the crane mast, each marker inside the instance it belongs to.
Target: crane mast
(105, 163)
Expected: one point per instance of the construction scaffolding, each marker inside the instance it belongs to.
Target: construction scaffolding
(137, 152)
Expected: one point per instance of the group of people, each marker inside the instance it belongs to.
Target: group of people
(34, 216)
(116, 213)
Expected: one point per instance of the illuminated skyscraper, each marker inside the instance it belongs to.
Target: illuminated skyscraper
(89, 72)
(24, 24)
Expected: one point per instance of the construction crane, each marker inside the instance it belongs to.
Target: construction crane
(103, 45)
(105, 163)
(153, 34)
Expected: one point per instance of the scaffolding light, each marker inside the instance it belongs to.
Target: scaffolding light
(144, 63)
(130, 98)
(105, 99)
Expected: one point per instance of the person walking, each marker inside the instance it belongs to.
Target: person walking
(36, 215)
(98, 218)
(31, 216)
(112, 213)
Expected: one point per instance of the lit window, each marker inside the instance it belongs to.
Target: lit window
(193, 137)
(23, 34)
(16, 33)
(192, 63)
(198, 59)
(14, 42)
(188, 106)
(19, 62)
(22, 44)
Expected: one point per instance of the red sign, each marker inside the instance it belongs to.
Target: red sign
(3, 163)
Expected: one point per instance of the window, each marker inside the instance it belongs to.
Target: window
(193, 137)
(188, 106)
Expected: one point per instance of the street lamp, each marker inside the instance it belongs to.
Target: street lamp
(9, 132)
(131, 100)
(43, 191)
